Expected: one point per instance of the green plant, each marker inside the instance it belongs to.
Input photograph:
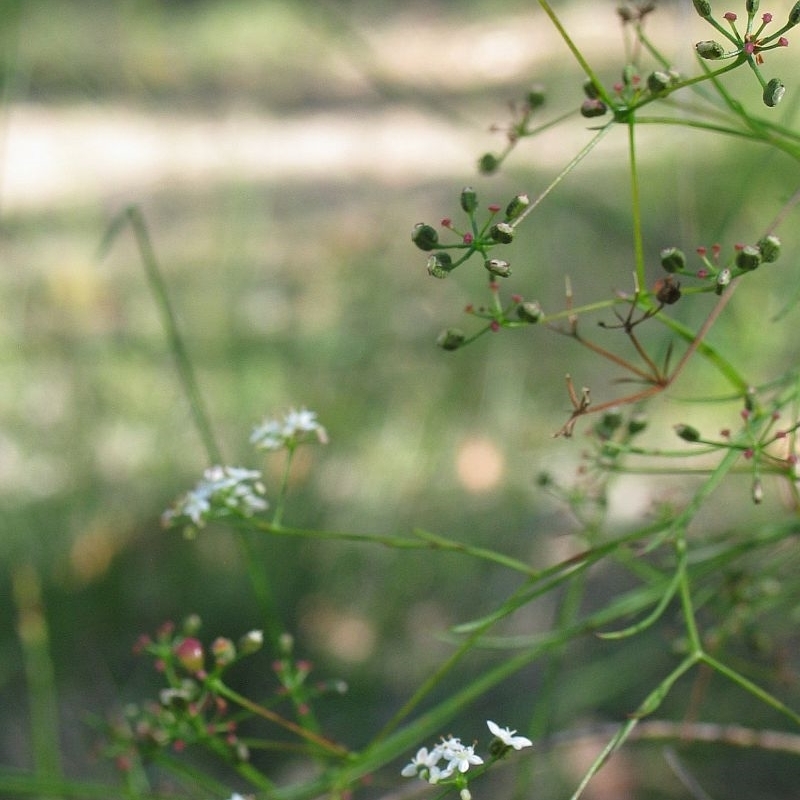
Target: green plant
(719, 581)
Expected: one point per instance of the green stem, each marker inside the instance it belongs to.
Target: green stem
(751, 687)
(325, 745)
(176, 344)
(422, 540)
(584, 64)
(34, 640)
(281, 501)
(648, 706)
(636, 208)
(134, 217)
(582, 153)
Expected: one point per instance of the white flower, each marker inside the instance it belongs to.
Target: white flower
(423, 760)
(507, 737)
(459, 758)
(436, 774)
(221, 492)
(274, 434)
(462, 759)
(302, 421)
(268, 435)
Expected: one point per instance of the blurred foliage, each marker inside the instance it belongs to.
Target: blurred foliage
(307, 291)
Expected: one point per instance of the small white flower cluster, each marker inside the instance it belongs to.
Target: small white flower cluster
(458, 758)
(276, 434)
(223, 491)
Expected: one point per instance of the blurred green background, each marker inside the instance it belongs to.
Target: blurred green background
(281, 153)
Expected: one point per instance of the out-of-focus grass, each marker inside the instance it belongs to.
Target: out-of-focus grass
(294, 292)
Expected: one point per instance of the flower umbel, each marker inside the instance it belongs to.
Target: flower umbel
(222, 492)
(296, 427)
(458, 759)
(449, 760)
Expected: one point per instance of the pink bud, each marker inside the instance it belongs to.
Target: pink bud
(189, 653)
(730, 16)
(766, 18)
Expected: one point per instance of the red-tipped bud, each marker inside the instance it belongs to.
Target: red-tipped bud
(190, 655)
(224, 651)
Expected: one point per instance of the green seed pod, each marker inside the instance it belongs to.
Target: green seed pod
(502, 232)
(752, 6)
(488, 163)
(770, 247)
(703, 8)
(590, 89)
(439, 265)
(451, 339)
(658, 81)
(748, 258)
(637, 423)
(774, 92)
(469, 199)
(794, 16)
(612, 419)
(593, 108)
(517, 206)
(530, 311)
(687, 433)
(536, 97)
(498, 267)
(424, 236)
(673, 260)
(544, 479)
(669, 292)
(710, 50)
